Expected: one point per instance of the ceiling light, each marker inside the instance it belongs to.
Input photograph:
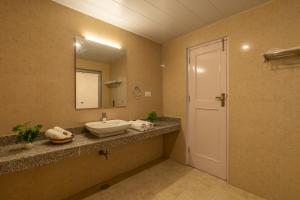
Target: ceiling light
(103, 41)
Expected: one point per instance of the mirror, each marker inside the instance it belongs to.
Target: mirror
(101, 75)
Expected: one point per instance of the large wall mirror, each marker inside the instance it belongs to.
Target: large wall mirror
(101, 75)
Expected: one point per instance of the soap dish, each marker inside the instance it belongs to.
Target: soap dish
(62, 141)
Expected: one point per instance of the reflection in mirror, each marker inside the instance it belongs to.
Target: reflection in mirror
(101, 75)
(88, 88)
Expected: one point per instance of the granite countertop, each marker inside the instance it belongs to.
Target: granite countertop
(14, 158)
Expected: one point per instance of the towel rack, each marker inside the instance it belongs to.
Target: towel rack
(112, 83)
(276, 54)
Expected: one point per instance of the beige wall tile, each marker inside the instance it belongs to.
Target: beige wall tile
(37, 65)
(264, 102)
(37, 83)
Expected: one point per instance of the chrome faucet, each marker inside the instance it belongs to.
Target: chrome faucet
(104, 116)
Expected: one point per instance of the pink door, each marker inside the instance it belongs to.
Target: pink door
(207, 108)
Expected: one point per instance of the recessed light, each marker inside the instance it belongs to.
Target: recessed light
(245, 47)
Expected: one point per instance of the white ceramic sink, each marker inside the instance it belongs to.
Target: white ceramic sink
(107, 128)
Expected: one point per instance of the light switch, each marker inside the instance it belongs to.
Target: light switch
(148, 94)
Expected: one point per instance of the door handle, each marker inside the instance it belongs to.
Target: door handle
(222, 98)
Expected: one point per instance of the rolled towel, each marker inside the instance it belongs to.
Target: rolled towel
(54, 134)
(138, 127)
(141, 125)
(149, 125)
(63, 131)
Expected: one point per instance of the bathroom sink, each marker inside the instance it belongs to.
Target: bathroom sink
(107, 128)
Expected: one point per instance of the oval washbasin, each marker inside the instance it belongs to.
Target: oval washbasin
(107, 128)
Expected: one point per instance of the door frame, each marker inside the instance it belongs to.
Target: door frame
(188, 128)
(84, 70)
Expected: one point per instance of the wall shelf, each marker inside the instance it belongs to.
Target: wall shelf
(112, 83)
(276, 54)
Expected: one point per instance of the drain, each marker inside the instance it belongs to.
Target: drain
(104, 186)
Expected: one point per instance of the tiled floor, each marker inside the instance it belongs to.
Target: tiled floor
(172, 181)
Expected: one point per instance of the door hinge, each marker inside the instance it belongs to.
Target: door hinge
(223, 44)
(189, 98)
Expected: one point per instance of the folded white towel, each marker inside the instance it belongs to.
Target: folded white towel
(65, 132)
(54, 134)
(149, 125)
(141, 125)
(137, 126)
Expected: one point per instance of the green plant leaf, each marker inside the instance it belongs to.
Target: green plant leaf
(25, 133)
(152, 116)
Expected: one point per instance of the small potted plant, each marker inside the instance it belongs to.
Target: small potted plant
(151, 116)
(27, 134)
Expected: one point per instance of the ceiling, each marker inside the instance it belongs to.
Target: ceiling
(160, 20)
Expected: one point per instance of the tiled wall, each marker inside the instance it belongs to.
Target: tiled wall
(264, 109)
(37, 83)
(37, 65)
